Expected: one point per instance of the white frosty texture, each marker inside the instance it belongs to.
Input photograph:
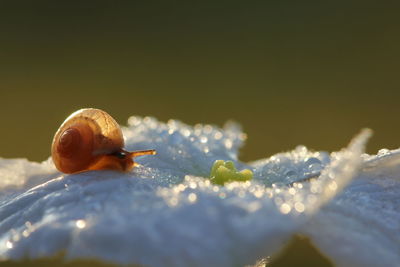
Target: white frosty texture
(361, 226)
(166, 213)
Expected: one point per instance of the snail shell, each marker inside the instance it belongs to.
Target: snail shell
(90, 139)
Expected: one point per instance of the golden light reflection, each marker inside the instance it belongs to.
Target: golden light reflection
(192, 197)
(80, 224)
(285, 208)
(299, 207)
(9, 245)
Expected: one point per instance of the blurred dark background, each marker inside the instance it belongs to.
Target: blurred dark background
(309, 73)
(306, 72)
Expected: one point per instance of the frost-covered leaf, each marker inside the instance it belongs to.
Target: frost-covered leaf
(361, 226)
(166, 212)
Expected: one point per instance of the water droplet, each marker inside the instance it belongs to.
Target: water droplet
(291, 174)
(301, 149)
(285, 208)
(15, 236)
(333, 186)
(312, 160)
(383, 151)
(315, 188)
(254, 206)
(25, 233)
(203, 139)
(228, 144)
(9, 245)
(181, 187)
(134, 121)
(299, 207)
(258, 193)
(146, 119)
(314, 165)
(300, 186)
(278, 185)
(292, 191)
(80, 224)
(173, 201)
(193, 185)
(218, 135)
(207, 129)
(185, 132)
(198, 129)
(192, 197)
(314, 168)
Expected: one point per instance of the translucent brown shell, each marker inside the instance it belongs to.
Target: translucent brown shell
(90, 139)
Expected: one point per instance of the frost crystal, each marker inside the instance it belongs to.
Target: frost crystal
(165, 213)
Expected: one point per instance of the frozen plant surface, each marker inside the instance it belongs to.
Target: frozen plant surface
(168, 213)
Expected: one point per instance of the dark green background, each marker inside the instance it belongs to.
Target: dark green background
(309, 73)
(306, 72)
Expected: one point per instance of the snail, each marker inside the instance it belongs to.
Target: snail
(90, 139)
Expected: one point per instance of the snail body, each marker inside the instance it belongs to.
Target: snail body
(90, 139)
